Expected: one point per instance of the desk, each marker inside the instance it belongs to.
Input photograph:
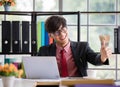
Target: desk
(47, 83)
(72, 82)
(56, 83)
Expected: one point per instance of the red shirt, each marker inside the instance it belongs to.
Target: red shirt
(72, 69)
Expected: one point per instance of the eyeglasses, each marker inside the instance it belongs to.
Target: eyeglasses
(58, 32)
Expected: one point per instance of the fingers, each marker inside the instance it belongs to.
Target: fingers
(107, 51)
(104, 43)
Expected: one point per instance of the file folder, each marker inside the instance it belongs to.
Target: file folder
(6, 36)
(38, 35)
(42, 33)
(33, 38)
(25, 37)
(16, 37)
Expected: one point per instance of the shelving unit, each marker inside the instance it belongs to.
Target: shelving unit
(34, 16)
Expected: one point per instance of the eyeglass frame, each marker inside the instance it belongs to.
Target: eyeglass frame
(58, 32)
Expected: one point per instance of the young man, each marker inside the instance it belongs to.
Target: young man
(77, 54)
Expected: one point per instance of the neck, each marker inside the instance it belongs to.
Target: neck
(63, 44)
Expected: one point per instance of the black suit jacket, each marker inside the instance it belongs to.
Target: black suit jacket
(82, 54)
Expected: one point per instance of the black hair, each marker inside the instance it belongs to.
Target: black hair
(53, 23)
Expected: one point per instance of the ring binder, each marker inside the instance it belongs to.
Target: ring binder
(16, 48)
(25, 36)
(6, 36)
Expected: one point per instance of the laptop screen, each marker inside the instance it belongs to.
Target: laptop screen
(41, 67)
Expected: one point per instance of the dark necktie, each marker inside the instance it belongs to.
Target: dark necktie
(64, 72)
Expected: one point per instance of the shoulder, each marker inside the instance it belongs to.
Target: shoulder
(47, 47)
(73, 43)
(80, 46)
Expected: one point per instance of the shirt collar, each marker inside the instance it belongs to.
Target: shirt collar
(66, 48)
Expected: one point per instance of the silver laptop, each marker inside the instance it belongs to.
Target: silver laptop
(41, 67)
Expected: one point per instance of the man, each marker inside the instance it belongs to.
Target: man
(77, 54)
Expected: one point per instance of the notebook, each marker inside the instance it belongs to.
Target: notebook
(40, 67)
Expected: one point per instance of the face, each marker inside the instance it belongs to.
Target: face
(61, 36)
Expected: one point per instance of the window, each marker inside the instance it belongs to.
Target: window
(93, 23)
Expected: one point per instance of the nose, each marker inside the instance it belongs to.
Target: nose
(62, 33)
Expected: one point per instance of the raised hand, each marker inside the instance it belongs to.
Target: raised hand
(105, 51)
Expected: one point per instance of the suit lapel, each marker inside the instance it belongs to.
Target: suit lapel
(78, 61)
